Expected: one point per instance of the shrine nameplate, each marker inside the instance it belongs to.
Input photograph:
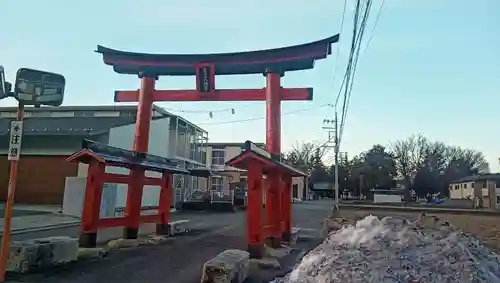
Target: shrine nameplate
(205, 79)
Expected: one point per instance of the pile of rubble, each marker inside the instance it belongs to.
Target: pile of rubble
(396, 250)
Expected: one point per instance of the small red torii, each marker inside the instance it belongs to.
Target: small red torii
(258, 162)
(98, 156)
(273, 63)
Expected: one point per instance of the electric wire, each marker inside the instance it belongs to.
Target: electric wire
(229, 109)
(263, 117)
(358, 33)
(335, 68)
(355, 63)
(374, 25)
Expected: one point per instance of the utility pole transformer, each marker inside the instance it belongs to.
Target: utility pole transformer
(335, 138)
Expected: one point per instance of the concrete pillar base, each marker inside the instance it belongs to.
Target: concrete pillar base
(87, 240)
(130, 233)
(286, 237)
(163, 229)
(256, 250)
(273, 242)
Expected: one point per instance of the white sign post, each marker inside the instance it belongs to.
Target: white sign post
(16, 134)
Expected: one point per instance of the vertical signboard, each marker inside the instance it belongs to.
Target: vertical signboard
(16, 134)
(205, 78)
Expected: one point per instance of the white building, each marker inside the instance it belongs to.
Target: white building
(388, 195)
(52, 134)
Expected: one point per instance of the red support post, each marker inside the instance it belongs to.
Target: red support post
(286, 208)
(273, 144)
(254, 211)
(92, 204)
(141, 142)
(165, 200)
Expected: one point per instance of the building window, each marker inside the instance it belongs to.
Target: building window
(295, 190)
(484, 185)
(218, 156)
(41, 114)
(216, 183)
(84, 113)
(127, 113)
(196, 184)
(465, 186)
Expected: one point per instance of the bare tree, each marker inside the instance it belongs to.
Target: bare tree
(435, 163)
(409, 156)
(304, 154)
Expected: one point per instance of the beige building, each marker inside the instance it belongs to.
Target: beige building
(225, 176)
(486, 187)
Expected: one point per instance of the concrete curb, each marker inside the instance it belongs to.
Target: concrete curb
(44, 228)
(436, 210)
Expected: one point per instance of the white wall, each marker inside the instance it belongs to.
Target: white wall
(123, 137)
(380, 198)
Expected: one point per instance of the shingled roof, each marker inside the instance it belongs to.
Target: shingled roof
(480, 177)
(66, 125)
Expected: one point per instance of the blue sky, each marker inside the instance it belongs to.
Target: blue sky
(433, 66)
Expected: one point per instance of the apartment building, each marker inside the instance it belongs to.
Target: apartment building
(225, 177)
(484, 186)
(217, 155)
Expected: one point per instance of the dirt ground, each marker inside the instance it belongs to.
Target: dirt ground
(484, 228)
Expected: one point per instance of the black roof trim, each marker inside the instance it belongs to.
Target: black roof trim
(291, 58)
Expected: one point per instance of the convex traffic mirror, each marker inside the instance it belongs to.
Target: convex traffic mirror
(33, 87)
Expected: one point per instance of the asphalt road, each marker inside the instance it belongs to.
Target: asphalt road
(177, 261)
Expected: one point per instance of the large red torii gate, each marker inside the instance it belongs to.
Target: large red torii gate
(273, 63)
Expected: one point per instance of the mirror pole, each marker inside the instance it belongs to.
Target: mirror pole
(4, 251)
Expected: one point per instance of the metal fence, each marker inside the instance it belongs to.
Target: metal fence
(222, 196)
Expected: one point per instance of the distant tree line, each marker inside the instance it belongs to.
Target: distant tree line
(421, 165)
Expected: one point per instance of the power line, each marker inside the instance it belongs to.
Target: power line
(338, 48)
(358, 33)
(374, 25)
(262, 117)
(230, 109)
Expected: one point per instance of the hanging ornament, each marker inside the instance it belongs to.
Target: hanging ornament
(232, 111)
(210, 114)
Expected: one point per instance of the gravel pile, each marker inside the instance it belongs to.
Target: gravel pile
(397, 250)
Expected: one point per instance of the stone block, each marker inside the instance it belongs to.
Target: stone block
(294, 236)
(266, 263)
(333, 224)
(91, 253)
(122, 243)
(153, 240)
(25, 256)
(230, 266)
(179, 227)
(277, 253)
(63, 249)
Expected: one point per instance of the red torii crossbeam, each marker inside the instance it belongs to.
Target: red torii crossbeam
(273, 63)
(216, 95)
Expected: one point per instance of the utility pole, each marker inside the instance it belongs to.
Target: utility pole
(333, 136)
